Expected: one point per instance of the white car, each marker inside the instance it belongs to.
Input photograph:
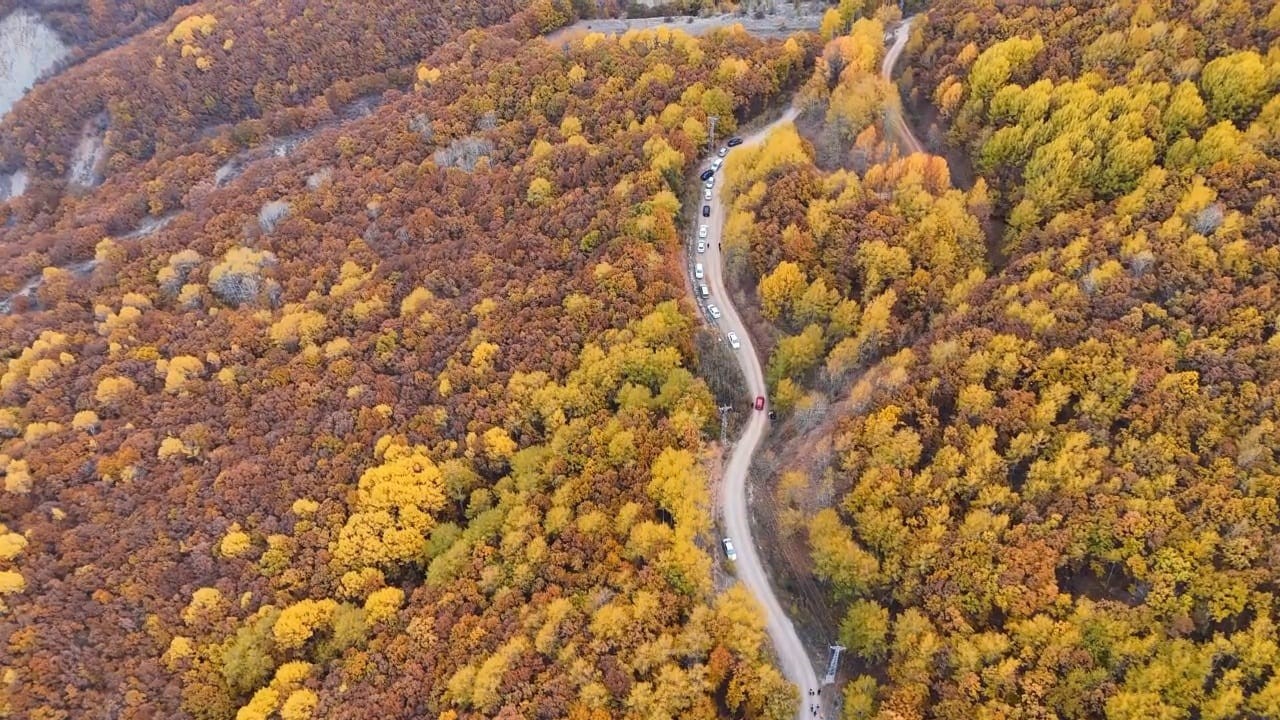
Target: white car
(714, 311)
(697, 271)
(723, 151)
(706, 194)
(710, 183)
(715, 164)
(733, 340)
(702, 232)
(729, 552)
(702, 246)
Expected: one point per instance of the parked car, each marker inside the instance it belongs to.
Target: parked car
(709, 184)
(702, 246)
(729, 552)
(733, 340)
(702, 232)
(706, 174)
(706, 211)
(714, 311)
(704, 291)
(706, 194)
(697, 271)
(715, 164)
(759, 402)
(734, 142)
(723, 151)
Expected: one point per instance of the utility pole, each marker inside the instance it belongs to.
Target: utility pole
(711, 132)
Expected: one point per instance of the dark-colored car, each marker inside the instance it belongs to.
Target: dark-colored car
(734, 142)
(707, 175)
(706, 211)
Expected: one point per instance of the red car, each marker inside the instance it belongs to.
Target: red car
(759, 402)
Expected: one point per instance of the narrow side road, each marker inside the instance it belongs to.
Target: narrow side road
(894, 111)
(792, 658)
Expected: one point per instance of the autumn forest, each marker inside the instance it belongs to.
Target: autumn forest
(351, 364)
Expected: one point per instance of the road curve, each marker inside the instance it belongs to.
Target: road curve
(893, 113)
(793, 659)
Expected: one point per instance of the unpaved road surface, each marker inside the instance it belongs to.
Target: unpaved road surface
(792, 658)
(894, 111)
(779, 25)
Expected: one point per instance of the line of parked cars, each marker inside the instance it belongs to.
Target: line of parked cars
(708, 180)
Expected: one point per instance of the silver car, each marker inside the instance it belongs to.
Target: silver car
(733, 340)
(702, 232)
(713, 311)
(702, 246)
(706, 194)
(723, 151)
(710, 183)
(729, 552)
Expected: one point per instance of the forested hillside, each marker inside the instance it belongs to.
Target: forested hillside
(221, 61)
(401, 425)
(855, 247)
(1056, 495)
(91, 25)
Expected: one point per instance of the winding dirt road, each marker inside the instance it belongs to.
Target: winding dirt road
(893, 113)
(792, 658)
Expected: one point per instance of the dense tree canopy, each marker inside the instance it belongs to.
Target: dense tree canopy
(1056, 490)
(400, 425)
(854, 258)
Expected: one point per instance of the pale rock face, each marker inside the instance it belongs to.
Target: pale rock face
(13, 185)
(28, 48)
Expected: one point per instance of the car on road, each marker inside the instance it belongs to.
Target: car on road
(759, 402)
(715, 164)
(706, 194)
(733, 340)
(706, 211)
(697, 271)
(702, 232)
(704, 291)
(709, 184)
(702, 246)
(714, 311)
(707, 174)
(734, 142)
(723, 151)
(729, 552)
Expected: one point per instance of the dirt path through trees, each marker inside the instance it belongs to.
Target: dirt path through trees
(792, 657)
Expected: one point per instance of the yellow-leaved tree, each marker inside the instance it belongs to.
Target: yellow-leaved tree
(780, 289)
(393, 509)
(298, 622)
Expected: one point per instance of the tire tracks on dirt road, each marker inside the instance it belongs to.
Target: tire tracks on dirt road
(792, 657)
